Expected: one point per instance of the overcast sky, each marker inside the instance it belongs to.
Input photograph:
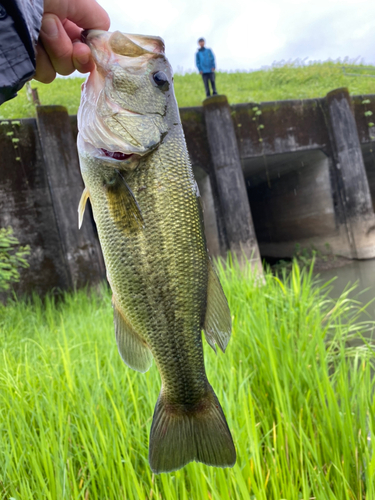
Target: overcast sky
(245, 34)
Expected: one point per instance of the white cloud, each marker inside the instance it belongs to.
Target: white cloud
(249, 34)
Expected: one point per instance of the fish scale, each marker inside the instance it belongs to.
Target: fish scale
(173, 259)
(147, 211)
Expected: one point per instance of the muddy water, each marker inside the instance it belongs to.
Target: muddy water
(360, 272)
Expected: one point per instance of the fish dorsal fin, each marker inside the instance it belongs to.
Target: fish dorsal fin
(133, 350)
(123, 206)
(82, 205)
(218, 324)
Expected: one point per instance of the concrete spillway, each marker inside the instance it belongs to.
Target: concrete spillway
(308, 167)
(271, 175)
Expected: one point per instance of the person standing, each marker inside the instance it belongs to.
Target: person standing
(205, 61)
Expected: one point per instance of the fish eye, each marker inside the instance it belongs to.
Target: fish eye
(161, 80)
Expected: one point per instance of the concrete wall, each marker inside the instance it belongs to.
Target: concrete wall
(277, 138)
(280, 173)
(39, 194)
(368, 153)
(26, 206)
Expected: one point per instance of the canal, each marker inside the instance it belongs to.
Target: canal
(360, 273)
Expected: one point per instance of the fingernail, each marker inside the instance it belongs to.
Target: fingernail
(49, 26)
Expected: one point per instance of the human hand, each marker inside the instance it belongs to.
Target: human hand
(213, 70)
(201, 72)
(59, 48)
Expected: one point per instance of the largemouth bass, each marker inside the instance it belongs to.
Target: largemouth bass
(146, 206)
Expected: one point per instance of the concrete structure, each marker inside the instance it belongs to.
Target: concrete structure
(230, 181)
(309, 169)
(271, 175)
(308, 183)
(39, 193)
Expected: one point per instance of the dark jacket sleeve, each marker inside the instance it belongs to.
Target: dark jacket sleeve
(20, 22)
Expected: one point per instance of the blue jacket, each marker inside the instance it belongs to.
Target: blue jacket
(205, 60)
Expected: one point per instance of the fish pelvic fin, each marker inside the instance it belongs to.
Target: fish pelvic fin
(218, 324)
(180, 435)
(133, 350)
(82, 205)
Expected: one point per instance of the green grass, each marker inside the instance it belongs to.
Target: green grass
(74, 420)
(281, 81)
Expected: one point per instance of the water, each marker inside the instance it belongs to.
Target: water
(360, 272)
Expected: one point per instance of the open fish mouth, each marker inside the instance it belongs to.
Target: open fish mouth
(117, 155)
(84, 34)
(113, 157)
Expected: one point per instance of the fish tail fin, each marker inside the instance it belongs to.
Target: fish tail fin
(179, 435)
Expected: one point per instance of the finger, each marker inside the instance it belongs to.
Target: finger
(82, 58)
(45, 72)
(72, 30)
(86, 14)
(57, 44)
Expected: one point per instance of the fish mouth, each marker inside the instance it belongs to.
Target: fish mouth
(84, 34)
(111, 158)
(121, 44)
(117, 155)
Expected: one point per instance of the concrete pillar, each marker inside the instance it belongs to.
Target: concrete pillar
(80, 248)
(209, 213)
(355, 212)
(230, 180)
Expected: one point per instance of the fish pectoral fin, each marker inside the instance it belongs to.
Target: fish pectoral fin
(123, 206)
(133, 350)
(217, 324)
(82, 205)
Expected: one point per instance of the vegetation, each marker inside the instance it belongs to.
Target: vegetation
(306, 257)
(12, 257)
(74, 420)
(281, 81)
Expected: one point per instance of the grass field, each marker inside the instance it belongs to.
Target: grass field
(74, 420)
(281, 81)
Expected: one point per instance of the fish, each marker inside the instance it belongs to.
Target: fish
(147, 209)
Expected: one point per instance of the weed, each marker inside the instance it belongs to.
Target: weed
(75, 420)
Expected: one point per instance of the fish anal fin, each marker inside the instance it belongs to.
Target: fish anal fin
(123, 206)
(133, 350)
(82, 205)
(218, 324)
(179, 435)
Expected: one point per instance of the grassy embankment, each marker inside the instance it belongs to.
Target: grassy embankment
(74, 420)
(288, 81)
